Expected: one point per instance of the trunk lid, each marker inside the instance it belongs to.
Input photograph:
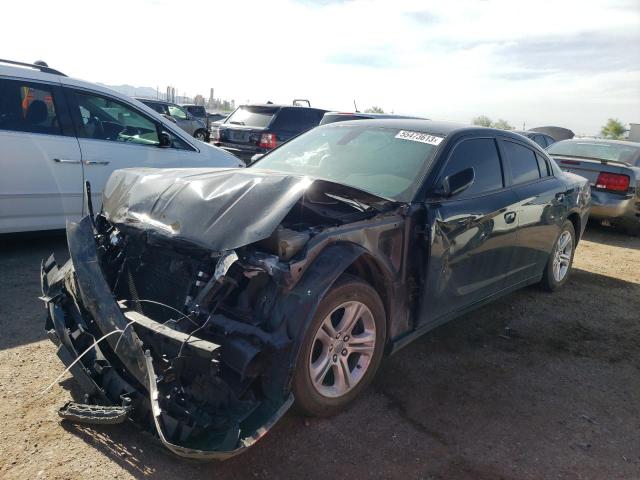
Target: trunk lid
(590, 168)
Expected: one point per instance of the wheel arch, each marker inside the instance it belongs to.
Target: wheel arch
(367, 268)
(574, 218)
(296, 308)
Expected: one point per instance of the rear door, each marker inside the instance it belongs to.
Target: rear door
(113, 134)
(541, 209)
(473, 233)
(41, 182)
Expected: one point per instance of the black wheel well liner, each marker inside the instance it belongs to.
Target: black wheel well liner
(367, 268)
(574, 218)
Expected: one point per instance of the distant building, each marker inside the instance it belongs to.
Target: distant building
(634, 132)
(198, 100)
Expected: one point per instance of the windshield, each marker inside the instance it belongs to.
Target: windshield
(388, 162)
(603, 151)
(259, 117)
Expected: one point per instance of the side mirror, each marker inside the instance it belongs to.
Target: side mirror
(169, 117)
(165, 140)
(456, 183)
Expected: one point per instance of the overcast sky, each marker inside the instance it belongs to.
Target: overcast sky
(568, 63)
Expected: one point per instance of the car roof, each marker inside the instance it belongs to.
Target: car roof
(374, 115)
(530, 132)
(153, 100)
(428, 126)
(603, 141)
(277, 105)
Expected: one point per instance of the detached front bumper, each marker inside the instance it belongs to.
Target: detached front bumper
(116, 368)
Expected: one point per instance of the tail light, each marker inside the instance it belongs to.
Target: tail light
(216, 135)
(613, 181)
(268, 141)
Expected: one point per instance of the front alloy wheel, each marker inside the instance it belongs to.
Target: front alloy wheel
(200, 135)
(341, 349)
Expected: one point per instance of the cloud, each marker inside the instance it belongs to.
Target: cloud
(564, 62)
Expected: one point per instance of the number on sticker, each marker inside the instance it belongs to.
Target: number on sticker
(419, 137)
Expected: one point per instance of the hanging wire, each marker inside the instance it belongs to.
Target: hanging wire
(93, 345)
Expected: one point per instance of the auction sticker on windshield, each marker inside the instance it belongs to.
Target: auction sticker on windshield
(419, 137)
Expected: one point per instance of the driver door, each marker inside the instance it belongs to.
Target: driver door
(114, 135)
(473, 234)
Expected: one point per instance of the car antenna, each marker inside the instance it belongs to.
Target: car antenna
(355, 106)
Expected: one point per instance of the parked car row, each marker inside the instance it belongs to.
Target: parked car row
(348, 236)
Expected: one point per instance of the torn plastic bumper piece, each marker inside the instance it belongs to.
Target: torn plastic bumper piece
(91, 290)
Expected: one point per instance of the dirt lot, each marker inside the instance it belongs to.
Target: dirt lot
(535, 386)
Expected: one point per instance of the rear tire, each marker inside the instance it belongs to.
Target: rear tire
(560, 262)
(342, 348)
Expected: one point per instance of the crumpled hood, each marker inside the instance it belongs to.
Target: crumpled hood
(219, 209)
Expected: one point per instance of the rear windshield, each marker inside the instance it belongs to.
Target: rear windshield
(259, 117)
(597, 150)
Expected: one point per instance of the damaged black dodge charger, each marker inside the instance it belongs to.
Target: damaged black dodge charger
(202, 303)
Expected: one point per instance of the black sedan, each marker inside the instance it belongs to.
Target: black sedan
(203, 303)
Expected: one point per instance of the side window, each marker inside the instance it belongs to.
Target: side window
(156, 106)
(523, 162)
(540, 140)
(103, 118)
(289, 120)
(549, 140)
(480, 154)
(28, 107)
(543, 166)
(177, 112)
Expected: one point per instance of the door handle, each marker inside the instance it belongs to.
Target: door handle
(64, 160)
(96, 162)
(510, 217)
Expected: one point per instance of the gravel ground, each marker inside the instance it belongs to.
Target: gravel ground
(536, 385)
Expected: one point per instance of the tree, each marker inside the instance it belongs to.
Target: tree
(502, 124)
(482, 121)
(374, 109)
(613, 129)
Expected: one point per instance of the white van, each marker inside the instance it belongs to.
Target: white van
(56, 133)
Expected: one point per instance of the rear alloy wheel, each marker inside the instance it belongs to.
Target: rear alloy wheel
(342, 348)
(561, 258)
(200, 135)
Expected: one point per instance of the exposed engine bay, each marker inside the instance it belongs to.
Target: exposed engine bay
(206, 325)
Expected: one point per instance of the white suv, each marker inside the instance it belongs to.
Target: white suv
(56, 133)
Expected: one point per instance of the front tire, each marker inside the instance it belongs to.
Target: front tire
(560, 261)
(200, 135)
(342, 348)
